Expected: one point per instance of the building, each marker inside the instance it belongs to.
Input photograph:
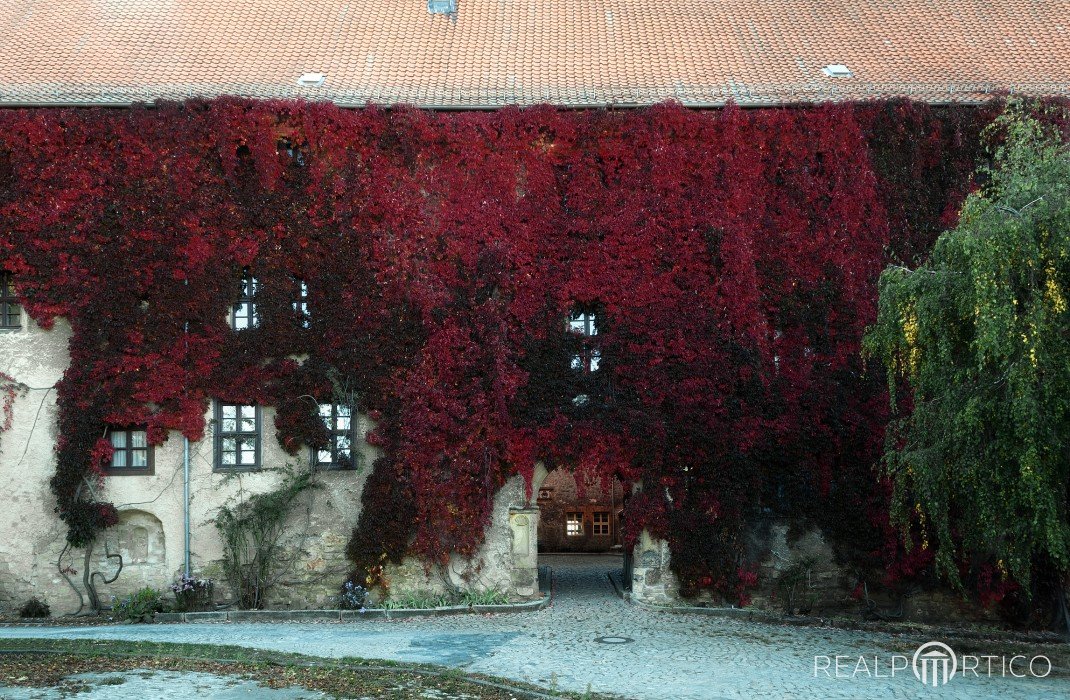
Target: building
(438, 55)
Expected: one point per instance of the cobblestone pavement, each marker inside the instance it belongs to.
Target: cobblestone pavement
(672, 656)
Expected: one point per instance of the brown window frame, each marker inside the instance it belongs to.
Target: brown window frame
(150, 463)
(335, 433)
(10, 308)
(595, 524)
(220, 435)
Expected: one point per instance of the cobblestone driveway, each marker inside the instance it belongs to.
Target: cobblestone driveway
(673, 656)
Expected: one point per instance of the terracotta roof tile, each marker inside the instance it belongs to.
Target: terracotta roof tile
(499, 52)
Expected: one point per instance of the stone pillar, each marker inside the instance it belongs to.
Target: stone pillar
(652, 581)
(524, 524)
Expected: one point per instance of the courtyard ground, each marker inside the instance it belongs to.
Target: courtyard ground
(590, 639)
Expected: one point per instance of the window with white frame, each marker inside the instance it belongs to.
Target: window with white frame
(237, 436)
(589, 357)
(244, 314)
(574, 524)
(300, 303)
(601, 523)
(339, 421)
(586, 357)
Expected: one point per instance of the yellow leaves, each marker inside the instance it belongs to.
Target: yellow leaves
(924, 530)
(1052, 293)
(910, 336)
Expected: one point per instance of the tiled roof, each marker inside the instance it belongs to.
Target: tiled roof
(500, 52)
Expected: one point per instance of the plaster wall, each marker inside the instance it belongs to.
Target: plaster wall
(150, 532)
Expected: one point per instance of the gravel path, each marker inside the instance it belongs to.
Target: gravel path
(671, 656)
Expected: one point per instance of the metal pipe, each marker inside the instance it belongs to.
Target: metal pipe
(185, 500)
(185, 469)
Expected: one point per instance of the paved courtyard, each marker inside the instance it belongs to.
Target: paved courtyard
(672, 656)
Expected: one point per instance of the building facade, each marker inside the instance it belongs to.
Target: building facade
(465, 55)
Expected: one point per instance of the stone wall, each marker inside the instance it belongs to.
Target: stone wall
(504, 564)
(150, 533)
(798, 574)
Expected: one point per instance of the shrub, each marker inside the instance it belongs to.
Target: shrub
(140, 606)
(34, 608)
(353, 597)
(193, 594)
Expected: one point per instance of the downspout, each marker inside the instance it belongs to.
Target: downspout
(185, 472)
(185, 500)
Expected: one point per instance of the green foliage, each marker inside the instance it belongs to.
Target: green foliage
(140, 606)
(252, 530)
(488, 597)
(425, 601)
(416, 601)
(980, 334)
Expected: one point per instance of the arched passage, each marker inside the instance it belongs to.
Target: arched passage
(578, 531)
(578, 513)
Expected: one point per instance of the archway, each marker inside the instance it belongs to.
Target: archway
(579, 524)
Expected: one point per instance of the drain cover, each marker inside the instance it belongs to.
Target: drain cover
(614, 640)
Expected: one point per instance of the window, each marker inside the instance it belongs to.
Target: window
(574, 524)
(296, 155)
(339, 421)
(585, 324)
(545, 494)
(131, 452)
(300, 303)
(244, 314)
(601, 523)
(237, 436)
(10, 311)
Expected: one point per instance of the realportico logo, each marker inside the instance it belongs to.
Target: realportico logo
(933, 663)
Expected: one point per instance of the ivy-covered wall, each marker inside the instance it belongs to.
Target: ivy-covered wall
(730, 257)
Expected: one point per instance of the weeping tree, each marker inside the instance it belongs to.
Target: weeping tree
(979, 453)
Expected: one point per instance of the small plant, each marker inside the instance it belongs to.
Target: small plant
(789, 582)
(353, 597)
(140, 606)
(416, 601)
(192, 594)
(34, 608)
(488, 597)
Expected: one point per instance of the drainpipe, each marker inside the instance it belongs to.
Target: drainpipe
(185, 470)
(185, 500)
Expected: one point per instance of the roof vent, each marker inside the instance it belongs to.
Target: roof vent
(837, 70)
(311, 80)
(442, 7)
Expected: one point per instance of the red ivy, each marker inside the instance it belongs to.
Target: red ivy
(732, 257)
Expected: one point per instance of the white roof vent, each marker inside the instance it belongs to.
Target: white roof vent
(837, 70)
(311, 80)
